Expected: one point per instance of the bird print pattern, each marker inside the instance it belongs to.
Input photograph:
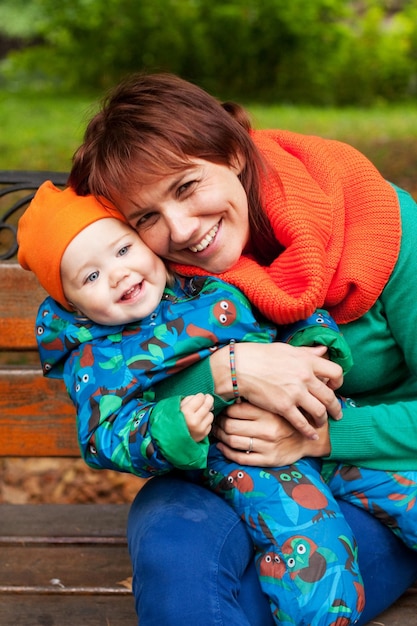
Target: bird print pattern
(305, 553)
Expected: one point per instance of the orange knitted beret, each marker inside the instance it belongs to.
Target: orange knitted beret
(49, 224)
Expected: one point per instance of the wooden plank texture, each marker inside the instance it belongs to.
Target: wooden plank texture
(35, 412)
(37, 415)
(64, 520)
(65, 568)
(67, 611)
(86, 569)
(65, 564)
(20, 297)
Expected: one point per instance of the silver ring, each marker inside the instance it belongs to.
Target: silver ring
(250, 449)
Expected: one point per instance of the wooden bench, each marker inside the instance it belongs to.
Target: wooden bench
(59, 564)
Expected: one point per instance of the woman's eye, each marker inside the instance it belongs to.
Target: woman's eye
(146, 220)
(92, 277)
(185, 187)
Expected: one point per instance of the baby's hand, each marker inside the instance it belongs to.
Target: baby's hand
(198, 414)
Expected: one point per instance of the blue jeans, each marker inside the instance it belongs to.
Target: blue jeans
(193, 560)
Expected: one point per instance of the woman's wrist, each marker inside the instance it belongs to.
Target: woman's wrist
(320, 447)
(232, 369)
(221, 373)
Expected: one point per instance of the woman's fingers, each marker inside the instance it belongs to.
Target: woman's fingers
(319, 401)
(327, 371)
(241, 422)
(274, 440)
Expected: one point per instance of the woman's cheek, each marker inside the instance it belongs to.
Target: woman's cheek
(158, 242)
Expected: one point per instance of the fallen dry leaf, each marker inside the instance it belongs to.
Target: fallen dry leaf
(63, 481)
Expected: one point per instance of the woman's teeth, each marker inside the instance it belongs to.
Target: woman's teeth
(204, 243)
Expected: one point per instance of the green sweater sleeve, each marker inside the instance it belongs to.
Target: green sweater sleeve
(372, 437)
(382, 432)
(194, 379)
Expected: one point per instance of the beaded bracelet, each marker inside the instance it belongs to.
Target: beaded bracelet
(233, 371)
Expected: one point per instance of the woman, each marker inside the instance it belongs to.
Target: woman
(295, 222)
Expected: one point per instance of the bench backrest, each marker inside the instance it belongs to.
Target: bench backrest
(36, 416)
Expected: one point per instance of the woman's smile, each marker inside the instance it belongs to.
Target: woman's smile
(206, 241)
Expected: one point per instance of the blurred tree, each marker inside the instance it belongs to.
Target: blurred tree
(320, 51)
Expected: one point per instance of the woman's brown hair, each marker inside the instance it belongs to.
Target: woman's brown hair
(152, 125)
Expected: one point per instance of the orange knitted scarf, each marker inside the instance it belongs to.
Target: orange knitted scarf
(339, 222)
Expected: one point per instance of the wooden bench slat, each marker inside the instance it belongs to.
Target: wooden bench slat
(37, 415)
(57, 589)
(64, 520)
(89, 556)
(20, 297)
(33, 610)
(85, 568)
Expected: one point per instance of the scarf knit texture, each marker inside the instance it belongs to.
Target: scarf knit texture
(338, 221)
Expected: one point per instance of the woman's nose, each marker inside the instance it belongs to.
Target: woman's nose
(182, 227)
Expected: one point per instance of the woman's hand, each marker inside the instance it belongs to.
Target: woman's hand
(271, 438)
(288, 381)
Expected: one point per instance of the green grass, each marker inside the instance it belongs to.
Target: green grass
(42, 132)
(39, 132)
(351, 125)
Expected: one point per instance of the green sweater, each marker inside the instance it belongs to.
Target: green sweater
(382, 431)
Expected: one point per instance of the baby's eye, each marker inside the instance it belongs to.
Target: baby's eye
(123, 250)
(93, 276)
